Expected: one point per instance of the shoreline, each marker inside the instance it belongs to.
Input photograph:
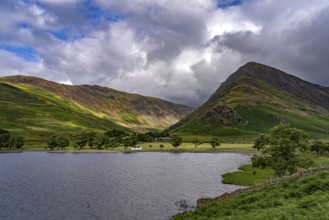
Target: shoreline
(203, 202)
(129, 151)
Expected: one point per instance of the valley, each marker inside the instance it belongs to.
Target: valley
(58, 118)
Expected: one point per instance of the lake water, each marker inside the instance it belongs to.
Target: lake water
(143, 185)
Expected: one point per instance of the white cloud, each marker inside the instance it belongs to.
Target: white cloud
(66, 82)
(42, 16)
(178, 50)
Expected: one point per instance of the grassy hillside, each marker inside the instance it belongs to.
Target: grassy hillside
(33, 116)
(305, 198)
(33, 107)
(249, 103)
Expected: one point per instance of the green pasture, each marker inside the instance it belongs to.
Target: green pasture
(151, 146)
(248, 176)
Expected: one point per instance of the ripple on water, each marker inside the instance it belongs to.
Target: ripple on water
(144, 185)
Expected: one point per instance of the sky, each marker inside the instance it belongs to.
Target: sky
(178, 50)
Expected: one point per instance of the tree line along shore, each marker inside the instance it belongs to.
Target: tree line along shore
(281, 158)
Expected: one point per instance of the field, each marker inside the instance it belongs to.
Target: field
(153, 146)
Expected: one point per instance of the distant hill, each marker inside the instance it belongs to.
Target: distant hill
(33, 107)
(254, 99)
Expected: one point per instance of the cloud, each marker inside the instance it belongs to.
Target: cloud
(60, 2)
(177, 50)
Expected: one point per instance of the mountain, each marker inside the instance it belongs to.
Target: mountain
(255, 98)
(34, 106)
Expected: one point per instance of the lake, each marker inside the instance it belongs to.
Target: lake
(143, 185)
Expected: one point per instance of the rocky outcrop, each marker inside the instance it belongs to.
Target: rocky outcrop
(224, 115)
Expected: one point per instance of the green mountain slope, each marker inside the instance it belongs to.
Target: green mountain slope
(33, 107)
(255, 98)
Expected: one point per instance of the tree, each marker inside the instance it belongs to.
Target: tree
(327, 147)
(129, 141)
(214, 142)
(52, 142)
(5, 140)
(62, 142)
(3, 131)
(144, 137)
(91, 139)
(80, 140)
(17, 142)
(176, 141)
(113, 142)
(319, 147)
(196, 142)
(116, 133)
(161, 146)
(100, 141)
(261, 142)
(287, 150)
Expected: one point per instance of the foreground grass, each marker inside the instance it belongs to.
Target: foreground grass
(306, 198)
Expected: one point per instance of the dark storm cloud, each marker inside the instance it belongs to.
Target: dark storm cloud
(301, 50)
(176, 50)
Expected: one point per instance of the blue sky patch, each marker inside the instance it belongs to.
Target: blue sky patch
(67, 34)
(27, 53)
(228, 3)
(61, 34)
(96, 14)
(23, 25)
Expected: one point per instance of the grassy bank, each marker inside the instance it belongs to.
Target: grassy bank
(248, 176)
(298, 198)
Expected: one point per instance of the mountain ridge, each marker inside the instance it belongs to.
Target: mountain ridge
(256, 97)
(125, 110)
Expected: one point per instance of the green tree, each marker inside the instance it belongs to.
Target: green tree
(52, 142)
(176, 141)
(161, 146)
(327, 147)
(5, 140)
(129, 141)
(113, 142)
(144, 138)
(9, 142)
(62, 142)
(319, 147)
(100, 141)
(80, 140)
(3, 131)
(17, 142)
(261, 142)
(287, 150)
(117, 134)
(196, 142)
(91, 139)
(214, 142)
